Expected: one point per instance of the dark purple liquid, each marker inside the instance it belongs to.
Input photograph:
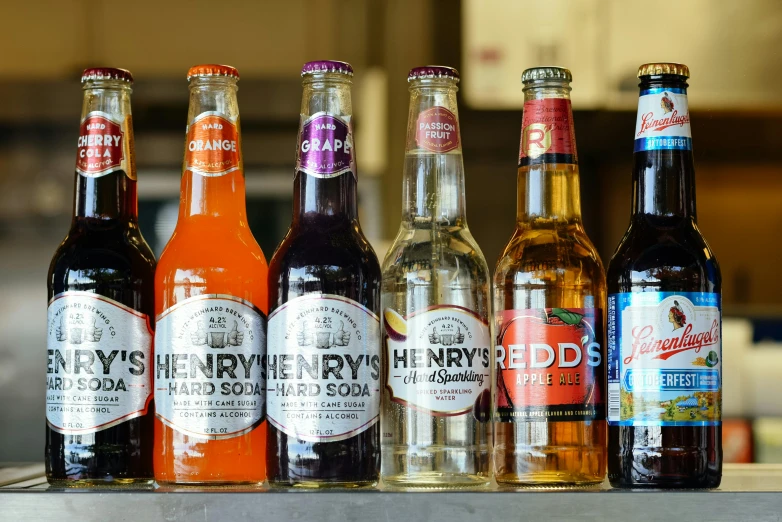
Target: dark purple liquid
(326, 245)
(105, 253)
(663, 251)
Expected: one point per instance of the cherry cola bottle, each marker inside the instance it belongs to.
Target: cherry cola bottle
(323, 359)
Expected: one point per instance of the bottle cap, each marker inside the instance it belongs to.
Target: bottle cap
(212, 69)
(106, 73)
(546, 73)
(327, 66)
(431, 72)
(655, 69)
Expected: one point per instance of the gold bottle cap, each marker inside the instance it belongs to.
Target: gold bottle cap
(655, 69)
(546, 73)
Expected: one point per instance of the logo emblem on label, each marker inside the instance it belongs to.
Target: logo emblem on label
(99, 356)
(437, 130)
(550, 365)
(213, 146)
(325, 147)
(100, 149)
(438, 361)
(209, 376)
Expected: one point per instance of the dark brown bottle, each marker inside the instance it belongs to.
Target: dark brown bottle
(99, 406)
(664, 310)
(323, 343)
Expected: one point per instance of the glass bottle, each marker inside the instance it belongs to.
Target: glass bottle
(99, 410)
(436, 429)
(549, 302)
(323, 361)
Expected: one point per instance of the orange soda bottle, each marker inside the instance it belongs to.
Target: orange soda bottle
(211, 305)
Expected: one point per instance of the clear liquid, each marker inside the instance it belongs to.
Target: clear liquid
(434, 261)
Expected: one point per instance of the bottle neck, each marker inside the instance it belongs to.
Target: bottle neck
(548, 180)
(325, 185)
(663, 169)
(105, 181)
(213, 184)
(433, 179)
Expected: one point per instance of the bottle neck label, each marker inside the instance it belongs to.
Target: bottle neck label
(213, 146)
(99, 371)
(438, 361)
(663, 121)
(664, 359)
(209, 376)
(550, 365)
(325, 146)
(547, 134)
(105, 145)
(437, 130)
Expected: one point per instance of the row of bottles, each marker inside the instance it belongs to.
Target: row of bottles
(322, 370)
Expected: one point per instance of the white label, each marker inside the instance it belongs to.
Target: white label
(663, 120)
(438, 360)
(324, 368)
(99, 357)
(209, 376)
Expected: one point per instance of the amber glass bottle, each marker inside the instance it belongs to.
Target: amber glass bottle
(549, 302)
(210, 301)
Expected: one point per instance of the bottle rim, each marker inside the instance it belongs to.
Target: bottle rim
(432, 72)
(327, 66)
(106, 73)
(547, 72)
(211, 70)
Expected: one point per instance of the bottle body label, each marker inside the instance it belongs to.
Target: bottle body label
(209, 377)
(437, 130)
(213, 145)
(325, 146)
(664, 359)
(323, 365)
(547, 132)
(102, 145)
(438, 361)
(550, 365)
(99, 371)
(663, 121)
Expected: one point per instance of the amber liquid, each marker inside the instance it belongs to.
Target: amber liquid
(549, 263)
(212, 251)
(104, 253)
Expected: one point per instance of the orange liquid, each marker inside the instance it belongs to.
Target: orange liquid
(212, 251)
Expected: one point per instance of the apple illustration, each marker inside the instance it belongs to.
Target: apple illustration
(396, 326)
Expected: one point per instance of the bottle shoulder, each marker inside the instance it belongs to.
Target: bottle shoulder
(220, 252)
(663, 258)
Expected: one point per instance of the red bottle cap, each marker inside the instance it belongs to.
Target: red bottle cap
(106, 73)
(212, 69)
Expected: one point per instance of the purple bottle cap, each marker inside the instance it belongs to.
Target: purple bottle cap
(327, 66)
(431, 72)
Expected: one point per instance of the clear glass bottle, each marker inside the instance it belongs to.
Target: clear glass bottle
(549, 303)
(435, 298)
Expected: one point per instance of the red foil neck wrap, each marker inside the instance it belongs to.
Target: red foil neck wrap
(547, 133)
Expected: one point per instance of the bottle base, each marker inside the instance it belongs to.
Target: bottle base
(548, 480)
(225, 484)
(436, 480)
(322, 484)
(670, 483)
(129, 483)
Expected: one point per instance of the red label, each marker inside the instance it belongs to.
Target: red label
(213, 147)
(437, 130)
(550, 365)
(100, 147)
(547, 128)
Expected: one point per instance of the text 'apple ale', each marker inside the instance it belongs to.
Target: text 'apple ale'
(549, 302)
(210, 301)
(99, 412)
(323, 361)
(664, 309)
(436, 417)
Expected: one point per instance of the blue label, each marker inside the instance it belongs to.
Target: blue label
(664, 359)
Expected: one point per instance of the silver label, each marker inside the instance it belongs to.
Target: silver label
(98, 371)
(324, 368)
(209, 376)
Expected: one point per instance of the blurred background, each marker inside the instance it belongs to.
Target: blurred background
(732, 48)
